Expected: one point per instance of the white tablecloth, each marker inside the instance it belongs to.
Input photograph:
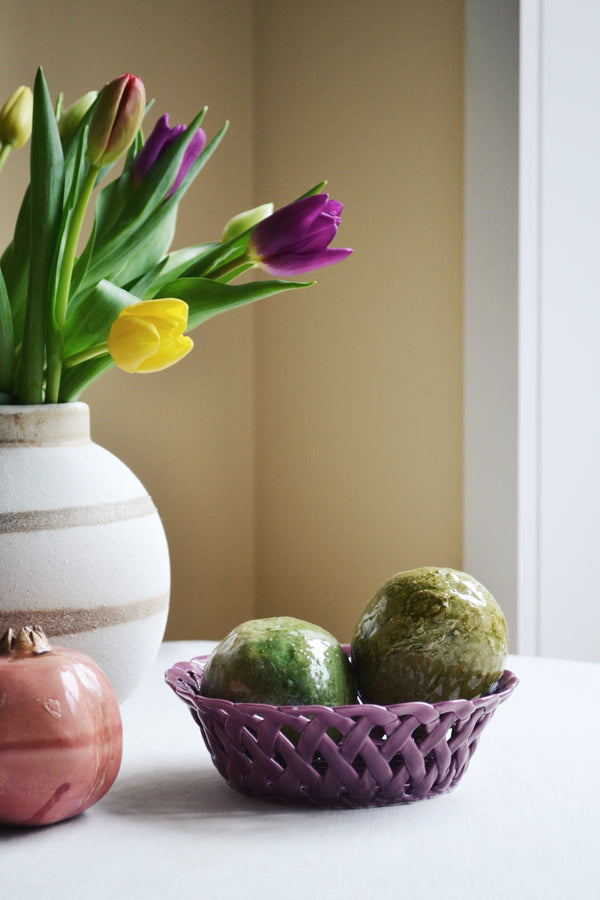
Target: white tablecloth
(523, 823)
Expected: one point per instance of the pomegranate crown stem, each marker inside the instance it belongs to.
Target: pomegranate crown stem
(23, 642)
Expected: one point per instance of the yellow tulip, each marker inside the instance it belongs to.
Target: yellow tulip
(148, 336)
(72, 116)
(15, 118)
(245, 220)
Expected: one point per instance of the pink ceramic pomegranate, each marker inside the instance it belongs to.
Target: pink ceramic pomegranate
(61, 736)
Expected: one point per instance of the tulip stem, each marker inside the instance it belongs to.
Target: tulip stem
(222, 272)
(84, 355)
(63, 287)
(6, 148)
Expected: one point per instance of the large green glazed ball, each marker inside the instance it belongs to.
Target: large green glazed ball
(429, 634)
(280, 660)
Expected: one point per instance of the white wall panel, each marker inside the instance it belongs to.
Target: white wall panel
(569, 328)
(531, 510)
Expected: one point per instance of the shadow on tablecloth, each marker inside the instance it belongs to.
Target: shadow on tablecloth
(190, 793)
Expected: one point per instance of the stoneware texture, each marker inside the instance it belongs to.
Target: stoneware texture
(83, 553)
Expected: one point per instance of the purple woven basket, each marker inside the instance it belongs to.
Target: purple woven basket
(359, 755)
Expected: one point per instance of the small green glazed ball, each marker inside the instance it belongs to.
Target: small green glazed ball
(429, 634)
(282, 661)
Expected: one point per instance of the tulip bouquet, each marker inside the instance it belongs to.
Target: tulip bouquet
(71, 305)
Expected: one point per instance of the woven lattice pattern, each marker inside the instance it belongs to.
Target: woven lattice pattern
(360, 755)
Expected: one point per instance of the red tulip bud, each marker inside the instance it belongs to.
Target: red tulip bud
(116, 120)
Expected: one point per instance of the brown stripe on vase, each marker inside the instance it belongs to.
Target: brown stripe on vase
(76, 516)
(75, 621)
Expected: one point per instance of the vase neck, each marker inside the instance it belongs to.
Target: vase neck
(46, 425)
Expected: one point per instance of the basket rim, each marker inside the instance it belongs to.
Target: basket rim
(178, 677)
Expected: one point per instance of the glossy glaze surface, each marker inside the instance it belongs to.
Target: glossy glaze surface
(429, 634)
(60, 737)
(280, 660)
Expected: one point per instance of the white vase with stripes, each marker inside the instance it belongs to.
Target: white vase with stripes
(83, 552)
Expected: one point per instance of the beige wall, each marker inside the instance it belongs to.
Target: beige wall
(311, 446)
(359, 381)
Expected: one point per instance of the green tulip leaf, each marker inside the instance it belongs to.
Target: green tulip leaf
(207, 298)
(167, 269)
(150, 248)
(15, 265)
(76, 379)
(7, 343)
(47, 178)
(90, 320)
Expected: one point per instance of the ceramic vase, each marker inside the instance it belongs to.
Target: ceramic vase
(83, 552)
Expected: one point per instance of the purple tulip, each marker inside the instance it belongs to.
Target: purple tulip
(161, 138)
(296, 238)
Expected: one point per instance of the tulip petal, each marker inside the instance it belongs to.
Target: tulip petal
(165, 313)
(148, 336)
(171, 350)
(291, 265)
(192, 152)
(286, 225)
(334, 208)
(131, 341)
(161, 137)
(321, 235)
(245, 220)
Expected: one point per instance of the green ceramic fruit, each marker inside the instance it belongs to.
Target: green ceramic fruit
(429, 634)
(280, 660)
